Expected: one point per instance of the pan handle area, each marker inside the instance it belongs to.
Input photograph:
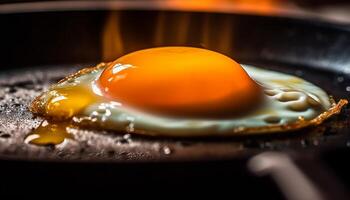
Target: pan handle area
(298, 179)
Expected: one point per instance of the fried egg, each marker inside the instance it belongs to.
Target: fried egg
(185, 92)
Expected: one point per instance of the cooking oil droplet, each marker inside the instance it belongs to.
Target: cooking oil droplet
(166, 150)
(49, 133)
(347, 88)
(11, 90)
(125, 139)
(127, 136)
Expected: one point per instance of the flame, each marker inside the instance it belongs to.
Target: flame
(175, 29)
(205, 40)
(179, 29)
(160, 28)
(182, 33)
(256, 6)
(225, 39)
(112, 43)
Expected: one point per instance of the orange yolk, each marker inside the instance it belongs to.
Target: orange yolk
(180, 81)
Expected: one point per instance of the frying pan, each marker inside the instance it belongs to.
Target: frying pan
(39, 47)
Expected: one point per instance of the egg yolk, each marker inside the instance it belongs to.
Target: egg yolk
(49, 133)
(67, 102)
(180, 81)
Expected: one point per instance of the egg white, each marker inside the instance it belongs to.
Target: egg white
(287, 100)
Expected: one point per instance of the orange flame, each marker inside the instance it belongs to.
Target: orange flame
(112, 41)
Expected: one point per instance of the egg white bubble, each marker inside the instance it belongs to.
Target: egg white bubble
(287, 99)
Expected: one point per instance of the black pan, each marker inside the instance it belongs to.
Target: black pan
(39, 48)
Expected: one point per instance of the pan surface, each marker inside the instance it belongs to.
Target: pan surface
(40, 48)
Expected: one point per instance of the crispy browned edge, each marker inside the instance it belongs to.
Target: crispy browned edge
(38, 109)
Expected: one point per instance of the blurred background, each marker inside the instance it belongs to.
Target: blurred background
(336, 11)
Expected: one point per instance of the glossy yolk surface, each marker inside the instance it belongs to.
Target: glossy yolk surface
(180, 81)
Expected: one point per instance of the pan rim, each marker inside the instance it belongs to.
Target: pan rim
(159, 5)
